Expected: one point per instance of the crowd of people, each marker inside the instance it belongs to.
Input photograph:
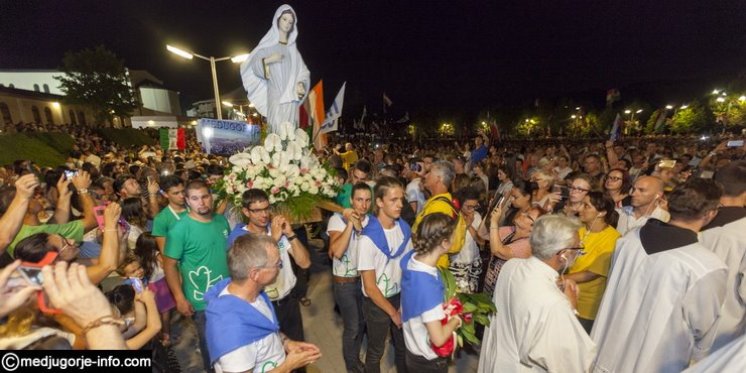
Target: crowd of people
(599, 255)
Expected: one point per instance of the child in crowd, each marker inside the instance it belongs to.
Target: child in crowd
(139, 312)
(147, 251)
(422, 296)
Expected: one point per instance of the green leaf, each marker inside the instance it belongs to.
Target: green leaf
(471, 338)
(470, 307)
(482, 320)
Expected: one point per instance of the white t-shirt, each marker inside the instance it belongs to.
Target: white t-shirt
(415, 332)
(263, 355)
(346, 266)
(388, 272)
(286, 279)
(470, 250)
(414, 193)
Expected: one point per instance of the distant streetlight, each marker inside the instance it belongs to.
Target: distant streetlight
(573, 116)
(669, 107)
(627, 111)
(638, 111)
(720, 99)
(715, 91)
(742, 98)
(212, 60)
(684, 107)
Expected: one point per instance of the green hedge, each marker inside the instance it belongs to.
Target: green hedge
(46, 149)
(127, 136)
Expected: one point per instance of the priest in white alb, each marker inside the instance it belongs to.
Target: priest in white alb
(665, 291)
(536, 328)
(726, 237)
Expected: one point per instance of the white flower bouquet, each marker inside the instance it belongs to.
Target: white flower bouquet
(286, 169)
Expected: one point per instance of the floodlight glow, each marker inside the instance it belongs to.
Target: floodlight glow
(240, 58)
(179, 52)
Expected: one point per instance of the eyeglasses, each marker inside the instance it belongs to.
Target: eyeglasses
(259, 211)
(471, 207)
(65, 246)
(579, 249)
(614, 178)
(277, 265)
(577, 189)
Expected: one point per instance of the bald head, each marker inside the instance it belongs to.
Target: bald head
(646, 191)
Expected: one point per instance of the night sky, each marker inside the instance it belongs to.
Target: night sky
(436, 56)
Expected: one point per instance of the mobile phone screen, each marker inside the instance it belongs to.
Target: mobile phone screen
(98, 211)
(32, 274)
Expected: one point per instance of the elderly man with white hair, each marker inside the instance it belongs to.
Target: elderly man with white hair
(535, 328)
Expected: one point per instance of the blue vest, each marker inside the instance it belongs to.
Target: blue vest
(375, 232)
(232, 322)
(420, 291)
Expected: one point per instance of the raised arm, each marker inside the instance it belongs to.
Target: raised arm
(82, 181)
(12, 220)
(108, 261)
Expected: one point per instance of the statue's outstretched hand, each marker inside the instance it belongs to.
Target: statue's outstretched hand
(300, 88)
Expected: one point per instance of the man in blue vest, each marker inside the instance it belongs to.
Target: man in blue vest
(242, 330)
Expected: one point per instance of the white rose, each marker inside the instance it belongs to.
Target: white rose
(292, 171)
(274, 173)
(301, 137)
(265, 157)
(313, 189)
(256, 155)
(240, 159)
(294, 152)
(304, 187)
(276, 160)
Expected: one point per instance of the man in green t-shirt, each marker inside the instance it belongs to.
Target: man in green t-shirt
(173, 189)
(195, 257)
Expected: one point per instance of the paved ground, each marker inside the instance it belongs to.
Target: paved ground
(322, 326)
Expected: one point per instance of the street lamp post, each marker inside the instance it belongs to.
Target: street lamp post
(189, 55)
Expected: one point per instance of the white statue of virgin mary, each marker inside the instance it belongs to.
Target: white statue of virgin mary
(274, 75)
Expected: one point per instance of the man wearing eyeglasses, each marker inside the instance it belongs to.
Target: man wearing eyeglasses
(256, 208)
(664, 297)
(243, 332)
(536, 328)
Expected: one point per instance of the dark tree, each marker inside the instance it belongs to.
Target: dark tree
(97, 79)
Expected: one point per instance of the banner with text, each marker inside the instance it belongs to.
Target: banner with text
(226, 136)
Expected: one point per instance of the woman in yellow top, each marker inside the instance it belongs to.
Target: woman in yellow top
(598, 239)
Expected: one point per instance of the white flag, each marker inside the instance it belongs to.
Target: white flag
(332, 116)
